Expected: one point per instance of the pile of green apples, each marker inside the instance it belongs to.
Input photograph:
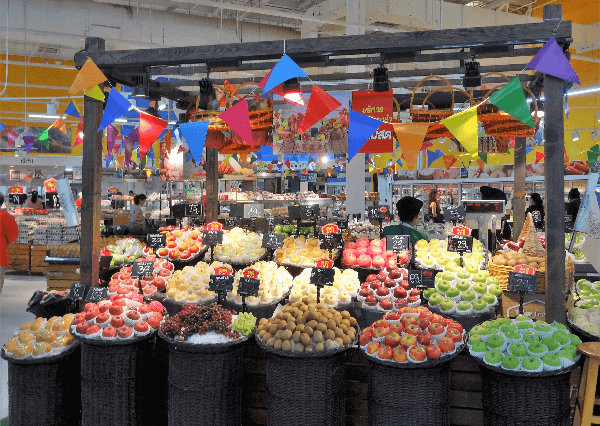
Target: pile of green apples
(433, 255)
(587, 294)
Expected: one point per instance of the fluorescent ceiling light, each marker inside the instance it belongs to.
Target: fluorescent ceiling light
(49, 116)
(594, 135)
(120, 120)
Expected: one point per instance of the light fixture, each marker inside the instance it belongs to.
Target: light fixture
(598, 116)
(594, 135)
(207, 95)
(121, 120)
(575, 135)
(47, 116)
(472, 77)
(324, 160)
(292, 92)
(140, 87)
(52, 106)
(381, 82)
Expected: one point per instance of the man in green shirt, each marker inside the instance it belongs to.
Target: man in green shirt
(409, 209)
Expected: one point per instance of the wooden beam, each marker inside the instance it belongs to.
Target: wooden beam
(331, 46)
(520, 173)
(212, 184)
(156, 87)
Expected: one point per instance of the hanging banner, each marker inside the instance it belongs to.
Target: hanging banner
(379, 105)
(50, 185)
(410, 137)
(551, 60)
(66, 201)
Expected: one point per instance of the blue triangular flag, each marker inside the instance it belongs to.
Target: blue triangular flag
(432, 156)
(385, 171)
(72, 111)
(361, 129)
(528, 149)
(195, 136)
(2, 127)
(178, 136)
(285, 69)
(116, 107)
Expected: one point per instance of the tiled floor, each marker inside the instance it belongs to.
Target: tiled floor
(17, 291)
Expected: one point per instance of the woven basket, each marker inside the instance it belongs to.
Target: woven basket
(430, 115)
(46, 391)
(500, 272)
(499, 123)
(115, 379)
(439, 130)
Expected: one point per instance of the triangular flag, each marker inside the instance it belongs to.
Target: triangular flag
(270, 167)
(371, 168)
(72, 111)
(449, 161)
(150, 128)
(511, 99)
(116, 107)
(263, 82)
(284, 70)
(195, 136)
(539, 156)
(286, 173)
(360, 130)
(432, 156)
(95, 93)
(426, 145)
(168, 143)
(238, 120)
(329, 170)
(156, 153)
(320, 104)
(11, 137)
(261, 164)
(483, 157)
(551, 60)
(465, 159)
(528, 149)
(481, 164)
(293, 174)
(287, 164)
(319, 166)
(573, 151)
(88, 76)
(59, 124)
(28, 140)
(464, 128)
(305, 171)
(410, 137)
(111, 136)
(592, 156)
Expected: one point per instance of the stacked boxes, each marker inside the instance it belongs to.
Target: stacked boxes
(19, 256)
(60, 277)
(38, 254)
(54, 235)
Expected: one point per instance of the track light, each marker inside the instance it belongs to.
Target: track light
(594, 135)
(598, 116)
(381, 82)
(207, 95)
(51, 107)
(162, 105)
(575, 135)
(472, 77)
(140, 87)
(292, 92)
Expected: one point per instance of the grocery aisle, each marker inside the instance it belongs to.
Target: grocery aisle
(16, 293)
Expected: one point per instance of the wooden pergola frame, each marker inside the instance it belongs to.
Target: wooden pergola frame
(126, 66)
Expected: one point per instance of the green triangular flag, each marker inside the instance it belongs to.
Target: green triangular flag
(143, 163)
(483, 157)
(43, 136)
(592, 156)
(511, 99)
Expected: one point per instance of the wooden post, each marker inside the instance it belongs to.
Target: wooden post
(554, 180)
(212, 184)
(518, 201)
(91, 166)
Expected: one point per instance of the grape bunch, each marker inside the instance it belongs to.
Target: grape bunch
(200, 319)
(244, 323)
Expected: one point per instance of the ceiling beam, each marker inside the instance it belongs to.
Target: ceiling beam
(495, 3)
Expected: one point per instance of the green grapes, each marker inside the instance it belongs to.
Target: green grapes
(244, 323)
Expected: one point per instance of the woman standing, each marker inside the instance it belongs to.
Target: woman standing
(536, 208)
(34, 202)
(435, 211)
(135, 213)
(8, 234)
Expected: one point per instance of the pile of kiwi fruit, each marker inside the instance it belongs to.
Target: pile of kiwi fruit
(512, 258)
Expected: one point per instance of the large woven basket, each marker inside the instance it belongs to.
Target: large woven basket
(500, 272)
(499, 123)
(430, 115)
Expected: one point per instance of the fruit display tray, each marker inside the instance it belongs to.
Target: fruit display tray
(105, 343)
(468, 321)
(48, 359)
(583, 335)
(179, 264)
(208, 348)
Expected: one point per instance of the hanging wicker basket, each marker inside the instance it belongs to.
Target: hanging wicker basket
(439, 130)
(486, 107)
(430, 115)
(501, 124)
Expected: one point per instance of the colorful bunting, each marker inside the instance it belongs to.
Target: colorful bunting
(286, 173)
(59, 124)
(263, 82)
(528, 149)
(592, 156)
(483, 157)
(449, 161)
(319, 166)
(464, 128)
(111, 136)
(88, 76)
(28, 140)
(72, 111)
(305, 171)
(116, 107)
(410, 137)
(320, 104)
(270, 167)
(11, 137)
(95, 93)
(284, 70)
(238, 120)
(168, 143)
(551, 60)
(432, 156)
(195, 136)
(287, 164)
(150, 128)
(511, 99)
(426, 145)
(156, 152)
(539, 156)
(360, 130)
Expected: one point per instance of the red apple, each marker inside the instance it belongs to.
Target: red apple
(90, 315)
(90, 307)
(79, 318)
(364, 292)
(104, 306)
(454, 334)
(133, 315)
(403, 257)
(372, 347)
(413, 299)
(154, 320)
(119, 301)
(371, 300)
(375, 284)
(392, 263)
(365, 339)
(349, 259)
(400, 354)
(446, 344)
(82, 327)
(378, 261)
(400, 304)
(408, 319)
(415, 292)
(386, 304)
(109, 331)
(117, 321)
(423, 323)
(417, 353)
(92, 329)
(455, 325)
(144, 309)
(389, 283)
(385, 352)
(383, 292)
(395, 273)
(141, 327)
(408, 340)
(350, 245)
(433, 351)
(382, 276)
(412, 329)
(436, 328)
(371, 277)
(397, 327)
(391, 316)
(380, 323)
(102, 317)
(392, 339)
(115, 310)
(125, 332)
(438, 319)
(376, 251)
(380, 332)
(400, 293)
(424, 338)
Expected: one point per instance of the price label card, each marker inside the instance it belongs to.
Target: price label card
(293, 213)
(461, 230)
(220, 283)
(223, 270)
(108, 221)
(232, 222)
(421, 278)
(522, 282)
(17, 199)
(142, 269)
(309, 213)
(330, 241)
(568, 218)
(248, 287)
(77, 291)
(330, 228)
(270, 221)
(286, 222)
(322, 276)
(156, 241)
(378, 213)
(252, 211)
(193, 210)
(524, 269)
(105, 262)
(214, 226)
(397, 243)
(325, 263)
(460, 243)
(212, 238)
(343, 224)
(273, 241)
(96, 294)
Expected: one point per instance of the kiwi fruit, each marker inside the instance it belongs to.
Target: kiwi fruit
(321, 327)
(345, 314)
(299, 347)
(329, 335)
(339, 332)
(328, 343)
(305, 339)
(301, 320)
(319, 347)
(278, 343)
(309, 348)
(317, 336)
(270, 342)
(331, 324)
(300, 328)
(286, 346)
(273, 328)
(286, 334)
(339, 341)
(312, 324)
(347, 339)
(308, 330)
(290, 325)
(296, 336)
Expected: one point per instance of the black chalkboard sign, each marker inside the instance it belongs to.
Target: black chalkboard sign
(309, 213)
(274, 241)
(17, 199)
(77, 291)
(212, 238)
(330, 241)
(171, 221)
(286, 221)
(108, 221)
(254, 210)
(105, 262)
(293, 213)
(140, 270)
(421, 278)
(193, 210)
(397, 243)
(522, 282)
(270, 221)
(378, 213)
(460, 243)
(96, 294)
(232, 222)
(342, 224)
(568, 218)
(322, 276)
(156, 241)
(220, 283)
(248, 287)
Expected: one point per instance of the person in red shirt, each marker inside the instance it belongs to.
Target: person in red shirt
(9, 232)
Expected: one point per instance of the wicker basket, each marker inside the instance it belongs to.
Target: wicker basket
(430, 115)
(500, 272)
(45, 391)
(499, 123)
(439, 130)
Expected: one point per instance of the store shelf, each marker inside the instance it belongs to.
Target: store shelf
(62, 260)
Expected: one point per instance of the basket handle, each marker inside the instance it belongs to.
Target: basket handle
(431, 77)
(488, 74)
(452, 89)
(250, 83)
(407, 100)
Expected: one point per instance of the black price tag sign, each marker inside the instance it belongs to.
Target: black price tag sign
(108, 221)
(460, 243)
(378, 213)
(293, 213)
(212, 238)
(330, 241)
(309, 213)
(522, 282)
(156, 241)
(421, 278)
(254, 210)
(568, 218)
(96, 294)
(105, 262)
(397, 243)
(270, 221)
(286, 222)
(221, 283)
(192, 210)
(232, 222)
(77, 291)
(142, 269)
(322, 276)
(273, 241)
(342, 224)
(17, 199)
(248, 287)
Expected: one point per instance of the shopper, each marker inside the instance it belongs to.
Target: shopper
(34, 202)
(135, 213)
(409, 209)
(435, 211)
(489, 193)
(572, 207)
(8, 234)
(536, 208)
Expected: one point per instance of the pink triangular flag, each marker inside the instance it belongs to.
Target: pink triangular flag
(551, 60)
(238, 119)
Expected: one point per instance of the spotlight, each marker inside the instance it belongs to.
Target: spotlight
(598, 116)
(140, 87)
(594, 135)
(162, 105)
(381, 82)
(292, 92)
(575, 135)
(324, 160)
(472, 77)
(207, 94)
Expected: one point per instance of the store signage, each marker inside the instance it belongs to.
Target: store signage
(52, 200)
(330, 241)
(156, 241)
(270, 221)
(309, 213)
(50, 185)
(460, 243)
(96, 294)
(105, 262)
(214, 226)
(272, 241)
(220, 283)
(379, 105)
(142, 269)
(223, 270)
(330, 228)
(421, 278)
(343, 224)
(66, 201)
(253, 211)
(524, 269)
(16, 190)
(249, 283)
(14, 175)
(293, 213)
(192, 210)
(525, 283)
(17, 199)
(336, 180)
(325, 263)
(37, 174)
(77, 291)
(232, 222)
(286, 221)
(113, 190)
(378, 213)
(212, 238)
(397, 243)
(461, 230)
(322, 276)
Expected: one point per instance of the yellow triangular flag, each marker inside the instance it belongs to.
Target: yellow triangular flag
(464, 128)
(60, 125)
(260, 165)
(88, 76)
(104, 146)
(95, 93)
(156, 152)
(287, 172)
(371, 168)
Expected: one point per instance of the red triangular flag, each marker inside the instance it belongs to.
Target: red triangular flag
(150, 128)
(287, 163)
(539, 156)
(305, 171)
(180, 149)
(11, 137)
(270, 167)
(238, 120)
(449, 161)
(320, 104)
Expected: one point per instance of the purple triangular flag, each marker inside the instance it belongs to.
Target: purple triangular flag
(111, 136)
(551, 60)
(28, 142)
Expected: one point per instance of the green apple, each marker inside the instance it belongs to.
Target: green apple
(429, 292)
(436, 253)
(442, 260)
(479, 305)
(468, 295)
(447, 304)
(451, 254)
(450, 267)
(435, 299)
(472, 268)
(452, 292)
(428, 260)
(434, 242)
(438, 278)
(463, 275)
(491, 281)
(485, 273)
(477, 330)
(478, 278)
(463, 306)
(463, 285)
(448, 276)
(479, 288)
(584, 292)
(496, 290)
(489, 298)
(477, 258)
(444, 286)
